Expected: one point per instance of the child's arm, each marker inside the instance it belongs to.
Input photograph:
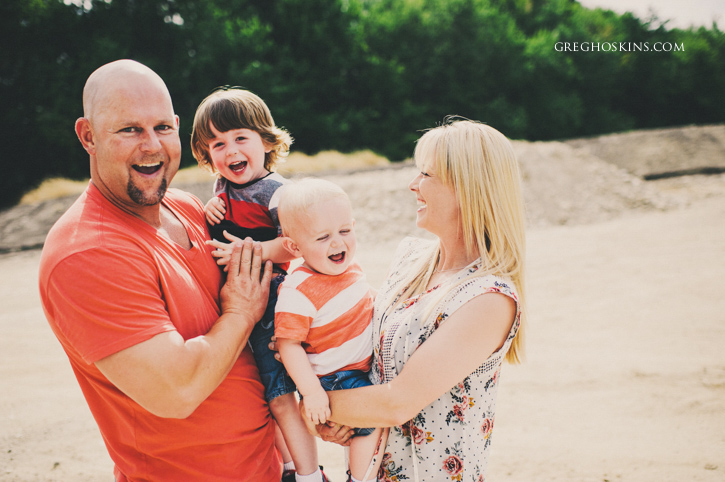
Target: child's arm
(215, 210)
(272, 250)
(275, 251)
(317, 405)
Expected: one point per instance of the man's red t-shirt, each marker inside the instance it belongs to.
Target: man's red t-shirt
(108, 281)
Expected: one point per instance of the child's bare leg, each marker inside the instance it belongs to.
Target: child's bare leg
(281, 444)
(300, 443)
(362, 450)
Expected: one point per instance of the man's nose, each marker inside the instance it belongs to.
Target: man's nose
(151, 142)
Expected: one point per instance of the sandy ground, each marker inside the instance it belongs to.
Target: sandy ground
(625, 375)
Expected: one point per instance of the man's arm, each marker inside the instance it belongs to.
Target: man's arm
(169, 376)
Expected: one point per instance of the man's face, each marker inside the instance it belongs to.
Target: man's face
(137, 148)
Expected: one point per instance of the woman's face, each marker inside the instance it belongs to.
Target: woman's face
(438, 209)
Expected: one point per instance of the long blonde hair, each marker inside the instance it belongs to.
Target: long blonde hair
(479, 163)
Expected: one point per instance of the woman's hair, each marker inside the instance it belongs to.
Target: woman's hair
(297, 197)
(230, 108)
(479, 163)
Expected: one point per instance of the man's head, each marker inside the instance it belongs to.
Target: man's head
(316, 218)
(131, 133)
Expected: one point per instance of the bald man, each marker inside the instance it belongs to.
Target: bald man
(157, 341)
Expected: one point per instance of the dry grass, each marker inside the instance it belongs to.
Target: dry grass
(296, 163)
(52, 189)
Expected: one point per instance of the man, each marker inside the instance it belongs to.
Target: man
(133, 295)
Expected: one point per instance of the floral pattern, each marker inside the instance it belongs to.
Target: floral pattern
(449, 439)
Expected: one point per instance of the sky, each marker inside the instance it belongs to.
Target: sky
(681, 13)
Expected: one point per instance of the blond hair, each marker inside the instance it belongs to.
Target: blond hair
(297, 197)
(234, 108)
(479, 163)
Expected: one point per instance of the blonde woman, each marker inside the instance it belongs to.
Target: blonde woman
(449, 313)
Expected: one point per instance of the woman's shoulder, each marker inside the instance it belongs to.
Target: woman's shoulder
(471, 286)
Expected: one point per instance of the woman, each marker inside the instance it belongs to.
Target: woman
(449, 312)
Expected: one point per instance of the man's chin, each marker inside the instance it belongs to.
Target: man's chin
(146, 198)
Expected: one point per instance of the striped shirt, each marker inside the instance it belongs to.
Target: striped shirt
(330, 315)
(251, 209)
(252, 206)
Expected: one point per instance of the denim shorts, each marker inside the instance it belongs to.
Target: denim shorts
(346, 379)
(274, 377)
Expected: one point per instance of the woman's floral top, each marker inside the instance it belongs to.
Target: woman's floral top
(449, 439)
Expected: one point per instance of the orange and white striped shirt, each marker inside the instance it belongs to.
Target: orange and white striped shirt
(330, 315)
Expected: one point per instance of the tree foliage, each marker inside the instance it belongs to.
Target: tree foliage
(353, 74)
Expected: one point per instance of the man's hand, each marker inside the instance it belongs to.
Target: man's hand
(215, 210)
(244, 293)
(336, 433)
(328, 431)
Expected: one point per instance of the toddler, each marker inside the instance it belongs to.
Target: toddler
(324, 309)
(235, 137)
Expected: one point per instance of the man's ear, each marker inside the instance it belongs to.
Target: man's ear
(85, 135)
(292, 247)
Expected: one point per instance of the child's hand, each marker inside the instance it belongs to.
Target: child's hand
(223, 251)
(215, 210)
(317, 406)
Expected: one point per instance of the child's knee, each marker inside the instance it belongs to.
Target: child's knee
(283, 404)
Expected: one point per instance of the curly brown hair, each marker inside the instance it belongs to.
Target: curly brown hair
(230, 108)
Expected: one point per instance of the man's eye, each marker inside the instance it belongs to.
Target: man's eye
(163, 128)
(128, 129)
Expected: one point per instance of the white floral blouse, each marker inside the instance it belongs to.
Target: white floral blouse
(450, 438)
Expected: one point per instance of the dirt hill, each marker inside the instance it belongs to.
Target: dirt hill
(569, 182)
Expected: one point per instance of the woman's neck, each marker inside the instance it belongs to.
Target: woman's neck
(454, 255)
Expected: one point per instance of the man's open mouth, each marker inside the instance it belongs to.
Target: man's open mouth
(238, 166)
(337, 258)
(149, 168)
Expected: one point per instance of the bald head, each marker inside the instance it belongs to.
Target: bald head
(104, 84)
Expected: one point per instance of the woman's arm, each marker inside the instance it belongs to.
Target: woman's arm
(457, 348)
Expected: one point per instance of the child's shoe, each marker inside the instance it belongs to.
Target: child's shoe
(289, 475)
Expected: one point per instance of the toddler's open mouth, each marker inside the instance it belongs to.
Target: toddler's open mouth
(238, 167)
(337, 258)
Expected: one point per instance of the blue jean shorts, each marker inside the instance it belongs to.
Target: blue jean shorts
(275, 378)
(344, 380)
